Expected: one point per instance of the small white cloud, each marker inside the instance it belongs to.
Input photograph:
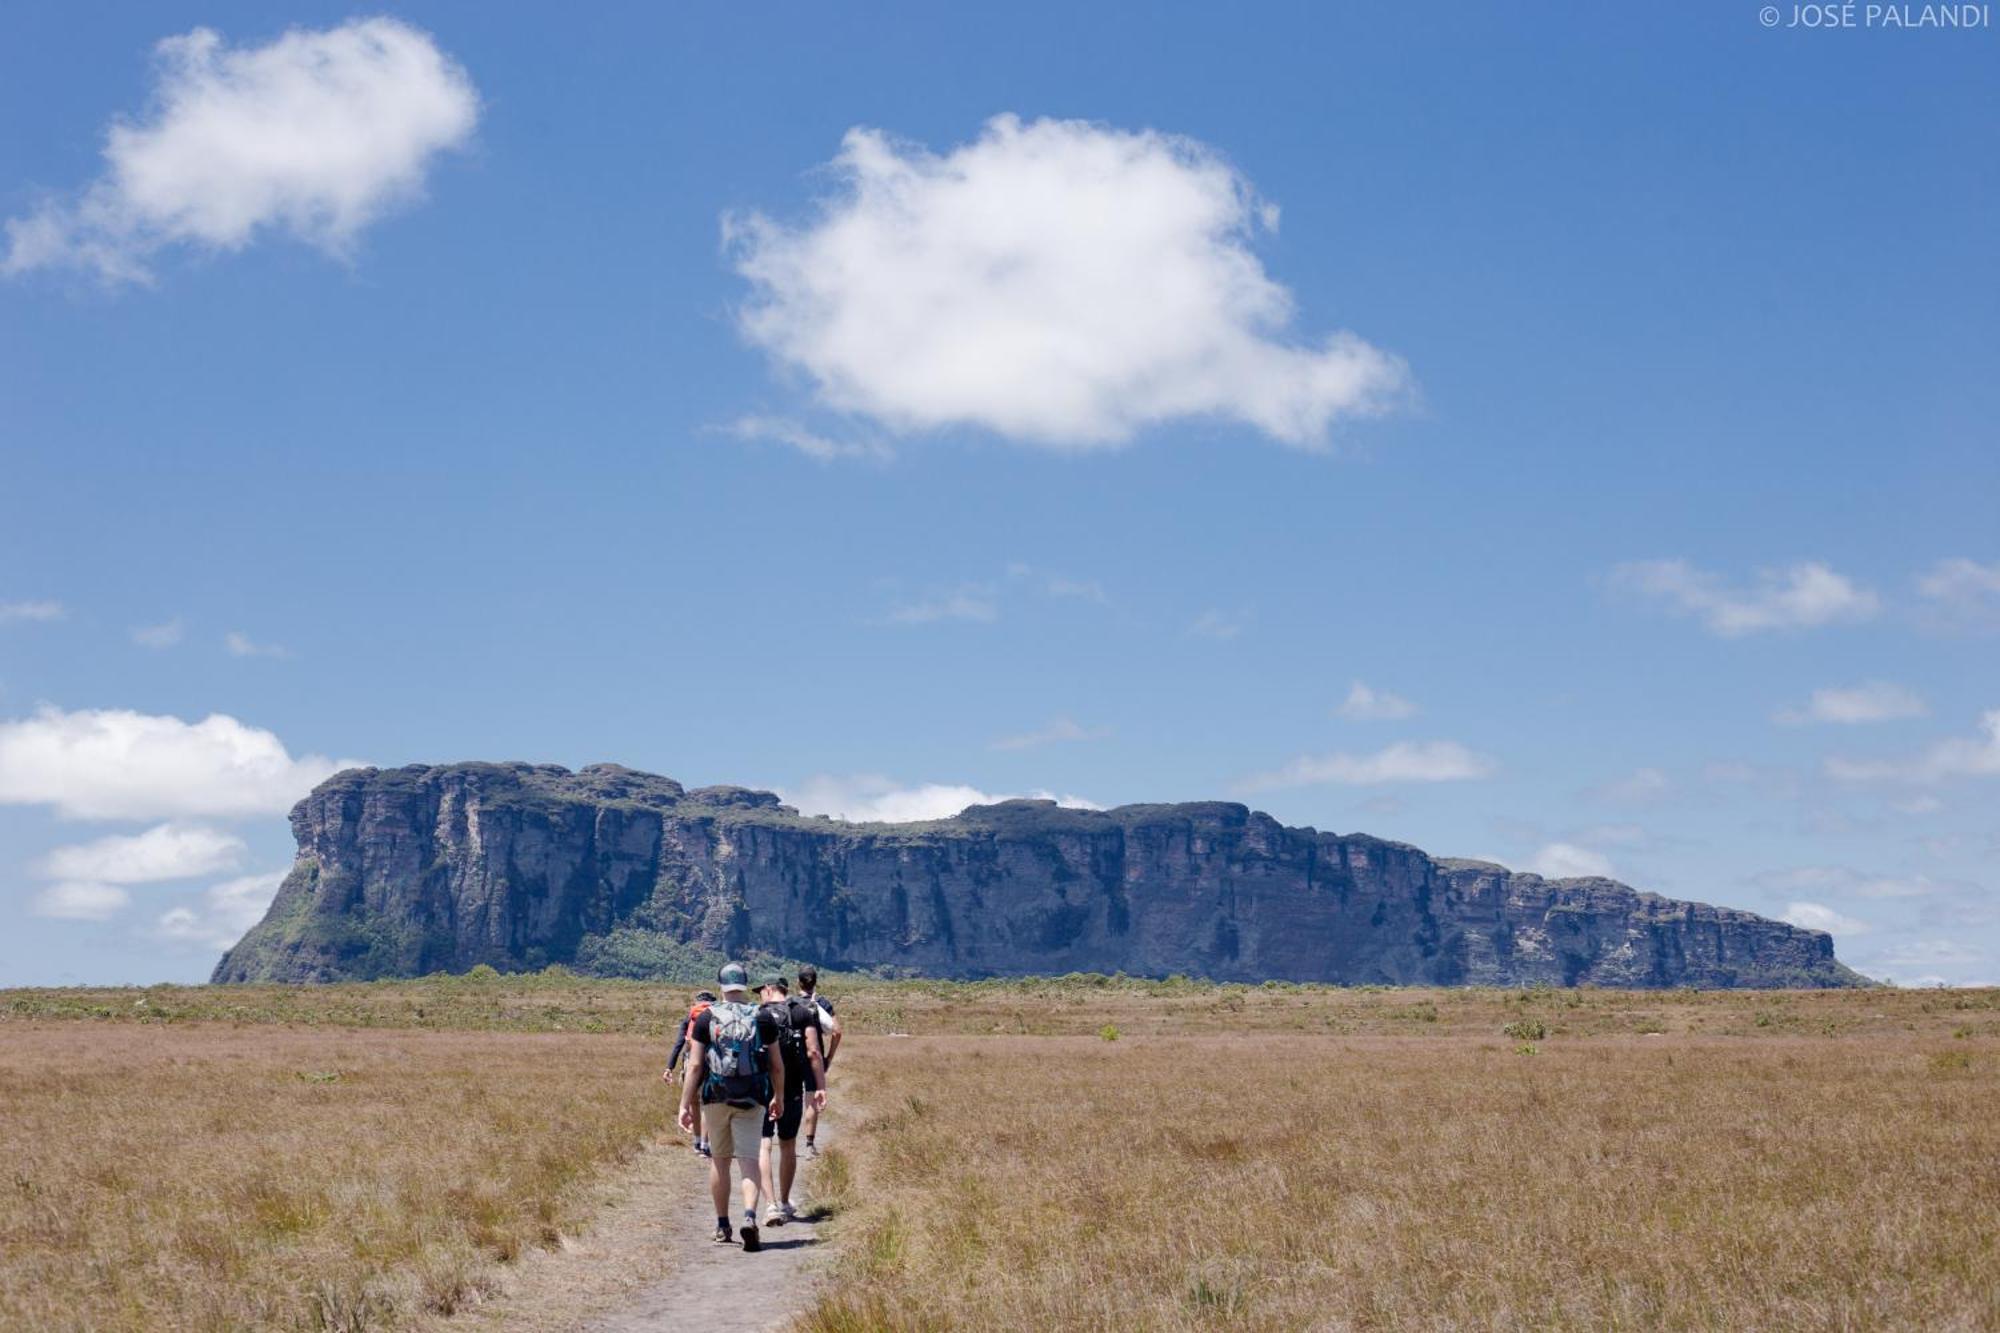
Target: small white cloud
(1565, 860)
(1871, 701)
(164, 635)
(1642, 786)
(1219, 625)
(167, 851)
(1843, 880)
(1082, 590)
(1962, 593)
(116, 764)
(866, 798)
(1957, 757)
(973, 602)
(316, 135)
(1800, 596)
(1364, 704)
(240, 644)
(820, 448)
(1405, 761)
(31, 611)
(227, 910)
(1058, 731)
(1058, 283)
(1818, 916)
(80, 902)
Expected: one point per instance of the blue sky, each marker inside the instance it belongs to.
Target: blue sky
(568, 392)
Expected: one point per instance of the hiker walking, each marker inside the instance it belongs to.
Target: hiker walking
(805, 1079)
(734, 1068)
(829, 1028)
(702, 999)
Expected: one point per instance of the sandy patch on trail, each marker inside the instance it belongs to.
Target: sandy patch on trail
(648, 1265)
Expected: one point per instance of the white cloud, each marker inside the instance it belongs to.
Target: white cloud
(166, 851)
(1058, 283)
(1871, 701)
(969, 602)
(1957, 757)
(1082, 590)
(1219, 625)
(1566, 860)
(1058, 731)
(1364, 704)
(240, 644)
(866, 798)
(820, 448)
(159, 636)
(13, 611)
(1642, 786)
(1405, 761)
(80, 902)
(1818, 916)
(227, 910)
(316, 135)
(1797, 597)
(1963, 592)
(116, 764)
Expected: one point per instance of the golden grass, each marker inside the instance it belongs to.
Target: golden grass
(1256, 1157)
(1270, 1182)
(216, 1179)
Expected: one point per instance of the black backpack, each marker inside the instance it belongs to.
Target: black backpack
(791, 1036)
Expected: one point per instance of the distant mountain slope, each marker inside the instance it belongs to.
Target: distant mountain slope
(408, 871)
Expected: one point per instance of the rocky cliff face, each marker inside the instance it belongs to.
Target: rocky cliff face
(416, 870)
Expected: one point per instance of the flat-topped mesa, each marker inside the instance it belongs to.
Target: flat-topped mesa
(404, 872)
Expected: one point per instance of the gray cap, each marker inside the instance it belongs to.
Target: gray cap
(733, 977)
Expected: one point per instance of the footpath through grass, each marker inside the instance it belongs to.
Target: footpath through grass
(1077, 1152)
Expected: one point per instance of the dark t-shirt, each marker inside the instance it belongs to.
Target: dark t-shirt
(798, 1016)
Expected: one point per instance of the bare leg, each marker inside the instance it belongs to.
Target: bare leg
(718, 1185)
(788, 1168)
(753, 1185)
(812, 1119)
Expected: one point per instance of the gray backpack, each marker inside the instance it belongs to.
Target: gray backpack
(737, 1070)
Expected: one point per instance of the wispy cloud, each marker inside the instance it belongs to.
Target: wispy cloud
(820, 448)
(1818, 916)
(240, 644)
(1058, 731)
(1962, 594)
(31, 611)
(164, 635)
(1218, 624)
(1642, 786)
(1366, 704)
(974, 602)
(80, 902)
(1800, 596)
(224, 913)
(316, 134)
(1957, 757)
(164, 852)
(1405, 761)
(1871, 701)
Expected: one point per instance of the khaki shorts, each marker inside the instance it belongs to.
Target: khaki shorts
(733, 1131)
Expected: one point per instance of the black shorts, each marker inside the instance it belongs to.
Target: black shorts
(786, 1126)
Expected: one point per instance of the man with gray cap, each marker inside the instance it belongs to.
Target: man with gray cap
(734, 1068)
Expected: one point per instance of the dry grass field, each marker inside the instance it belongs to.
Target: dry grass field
(1078, 1152)
(211, 1178)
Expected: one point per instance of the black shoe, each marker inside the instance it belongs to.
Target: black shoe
(722, 1236)
(750, 1242)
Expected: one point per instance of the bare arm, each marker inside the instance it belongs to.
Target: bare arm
(831, 1023)
(697, 1054)
(775, 1062)
(818, 1068)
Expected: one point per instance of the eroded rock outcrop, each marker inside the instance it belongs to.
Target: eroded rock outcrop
(408, 871)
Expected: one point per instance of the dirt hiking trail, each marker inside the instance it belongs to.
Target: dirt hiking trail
(648, 1264)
